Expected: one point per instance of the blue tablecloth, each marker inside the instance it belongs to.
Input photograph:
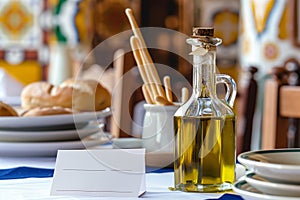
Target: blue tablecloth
(30, 172)
(25, 172)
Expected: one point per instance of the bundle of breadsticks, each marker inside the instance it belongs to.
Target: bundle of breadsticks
(152, 88)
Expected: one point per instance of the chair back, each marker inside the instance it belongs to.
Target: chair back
(281, 108)
(246, 109)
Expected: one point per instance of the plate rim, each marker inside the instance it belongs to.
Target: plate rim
(84, 140)
(242, 158)
(242, 192)
(51, 146)
(22, 122)
(68, 134)
(271, 185)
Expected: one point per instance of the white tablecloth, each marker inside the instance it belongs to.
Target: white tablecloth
(39, 188)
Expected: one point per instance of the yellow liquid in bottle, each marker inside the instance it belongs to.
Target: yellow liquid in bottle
(205, 153)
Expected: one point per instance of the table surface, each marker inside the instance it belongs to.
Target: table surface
(31, 178)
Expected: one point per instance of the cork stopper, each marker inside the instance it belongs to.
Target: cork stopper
(203, 31)
(204, 36)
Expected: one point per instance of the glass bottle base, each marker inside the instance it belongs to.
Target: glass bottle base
(204, 188)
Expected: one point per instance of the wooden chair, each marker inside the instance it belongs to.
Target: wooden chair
(110, 78)
(281, 109)
(126, 95)
(246, 107)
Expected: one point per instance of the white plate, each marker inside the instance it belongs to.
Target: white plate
(278, 164)
(270, 187)
(127, 143)
(159, 159)
(250, 193)
(34, 149)
(51, 122)
(154, 159)
(42, 136)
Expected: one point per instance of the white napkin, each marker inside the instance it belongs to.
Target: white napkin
(10, 88)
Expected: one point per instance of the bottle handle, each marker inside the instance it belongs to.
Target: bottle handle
(231, 89)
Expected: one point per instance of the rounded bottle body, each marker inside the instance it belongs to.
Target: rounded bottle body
(204, 127)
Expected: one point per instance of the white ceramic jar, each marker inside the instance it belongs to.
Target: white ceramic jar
(158, 128)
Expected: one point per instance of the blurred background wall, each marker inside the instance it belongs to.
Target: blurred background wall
(269, 37)
(36, 36)
(30, 27)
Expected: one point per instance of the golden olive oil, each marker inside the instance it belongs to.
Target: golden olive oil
(204, 153)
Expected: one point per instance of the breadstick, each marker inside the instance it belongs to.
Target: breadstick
(168, 90)
(147, 79)
(138, 58)
(184, 94)
(158, 88)
(139, 35)
(146, 94)
(147, 60)
(162, 101)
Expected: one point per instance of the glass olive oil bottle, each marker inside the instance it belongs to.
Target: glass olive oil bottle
(204, 126)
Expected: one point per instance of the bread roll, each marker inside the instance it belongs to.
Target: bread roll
(7, 110)
(42, 111)
(81, 95)
(88, 94)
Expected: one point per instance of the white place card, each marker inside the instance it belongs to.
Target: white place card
(103, 173)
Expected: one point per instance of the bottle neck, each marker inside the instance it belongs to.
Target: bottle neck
(204, 70)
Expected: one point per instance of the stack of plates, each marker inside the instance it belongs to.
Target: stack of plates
(44, 135)
(274, 174)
